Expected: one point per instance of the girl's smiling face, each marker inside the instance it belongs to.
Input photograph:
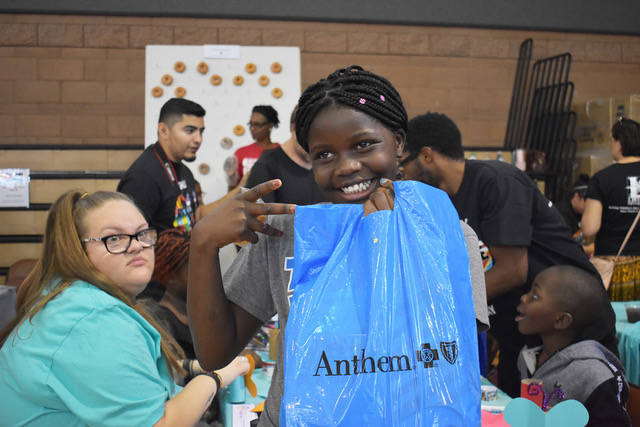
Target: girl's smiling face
(350, 151)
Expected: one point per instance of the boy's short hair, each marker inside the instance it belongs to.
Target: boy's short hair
(627, 132)
(581, 294)
(172, 110)
(437, 131)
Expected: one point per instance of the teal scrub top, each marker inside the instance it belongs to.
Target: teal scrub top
(86, 358)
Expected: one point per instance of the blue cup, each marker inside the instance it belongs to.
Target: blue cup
(237, 390)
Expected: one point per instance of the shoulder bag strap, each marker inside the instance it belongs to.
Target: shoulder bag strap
(626, 238)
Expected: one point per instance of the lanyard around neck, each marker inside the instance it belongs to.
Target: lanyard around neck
(167, 165)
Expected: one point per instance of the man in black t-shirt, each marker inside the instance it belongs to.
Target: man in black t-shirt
(292, 165)
(157, 181)
(520, 231)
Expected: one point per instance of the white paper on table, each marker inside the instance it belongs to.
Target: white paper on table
(242, 415)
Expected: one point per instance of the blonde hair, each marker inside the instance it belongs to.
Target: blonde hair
(65, 260)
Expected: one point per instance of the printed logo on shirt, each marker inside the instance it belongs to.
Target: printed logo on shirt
(247, 164)
(288, 267)
(487, 259)
(183, 213)
(633, 190)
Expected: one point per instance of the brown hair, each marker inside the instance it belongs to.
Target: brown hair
(64, 259)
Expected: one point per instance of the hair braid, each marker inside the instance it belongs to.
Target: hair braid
(356, 88)
(172, 250)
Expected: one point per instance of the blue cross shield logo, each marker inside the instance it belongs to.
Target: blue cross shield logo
(449, 350)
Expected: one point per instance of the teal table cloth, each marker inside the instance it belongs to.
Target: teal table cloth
(628, 341)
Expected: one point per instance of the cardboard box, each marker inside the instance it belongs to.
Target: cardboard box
(590, 164)
(595, 119)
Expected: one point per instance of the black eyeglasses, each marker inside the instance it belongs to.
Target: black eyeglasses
(119, 243)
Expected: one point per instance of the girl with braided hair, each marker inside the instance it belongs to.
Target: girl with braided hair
(353, 124)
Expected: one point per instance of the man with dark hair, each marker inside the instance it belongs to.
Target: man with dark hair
(520, 231)
(158, 182)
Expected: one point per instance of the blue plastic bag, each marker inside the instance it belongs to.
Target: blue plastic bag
(381, 329)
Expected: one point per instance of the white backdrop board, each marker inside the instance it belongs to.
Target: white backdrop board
(227, 104)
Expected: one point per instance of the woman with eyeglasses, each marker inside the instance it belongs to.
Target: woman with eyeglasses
(80, 350)
(263, 119)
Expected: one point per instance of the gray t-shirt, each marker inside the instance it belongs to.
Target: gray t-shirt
(259, 281)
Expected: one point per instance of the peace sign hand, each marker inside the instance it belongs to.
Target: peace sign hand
(237, 220)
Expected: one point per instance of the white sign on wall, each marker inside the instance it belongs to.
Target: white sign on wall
(227, 86)
(14, 188)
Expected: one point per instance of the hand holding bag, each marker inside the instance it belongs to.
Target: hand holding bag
(381, 329)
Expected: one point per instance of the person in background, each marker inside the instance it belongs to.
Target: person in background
(172, 255)
(263, 119)
(158, 182)
(521, 233)
(563, 308)
(572, 209)
(81, 350)
(613, 200)
(292, 165)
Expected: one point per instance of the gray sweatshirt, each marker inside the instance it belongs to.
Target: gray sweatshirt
(587, 372)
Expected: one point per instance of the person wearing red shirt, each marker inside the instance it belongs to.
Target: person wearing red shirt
(263, 119)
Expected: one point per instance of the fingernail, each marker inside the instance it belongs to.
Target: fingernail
(383, 180)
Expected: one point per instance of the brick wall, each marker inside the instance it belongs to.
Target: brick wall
(80, 79)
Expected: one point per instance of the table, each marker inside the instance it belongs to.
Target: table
(497, 405)
(628, 335)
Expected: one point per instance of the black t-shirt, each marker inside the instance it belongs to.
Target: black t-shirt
(164, 191)
(298, 184)
(178, 330)
(504, 207)
(617, 187)
(570, 217)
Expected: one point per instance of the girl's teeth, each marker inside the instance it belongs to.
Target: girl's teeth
(356, 188)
